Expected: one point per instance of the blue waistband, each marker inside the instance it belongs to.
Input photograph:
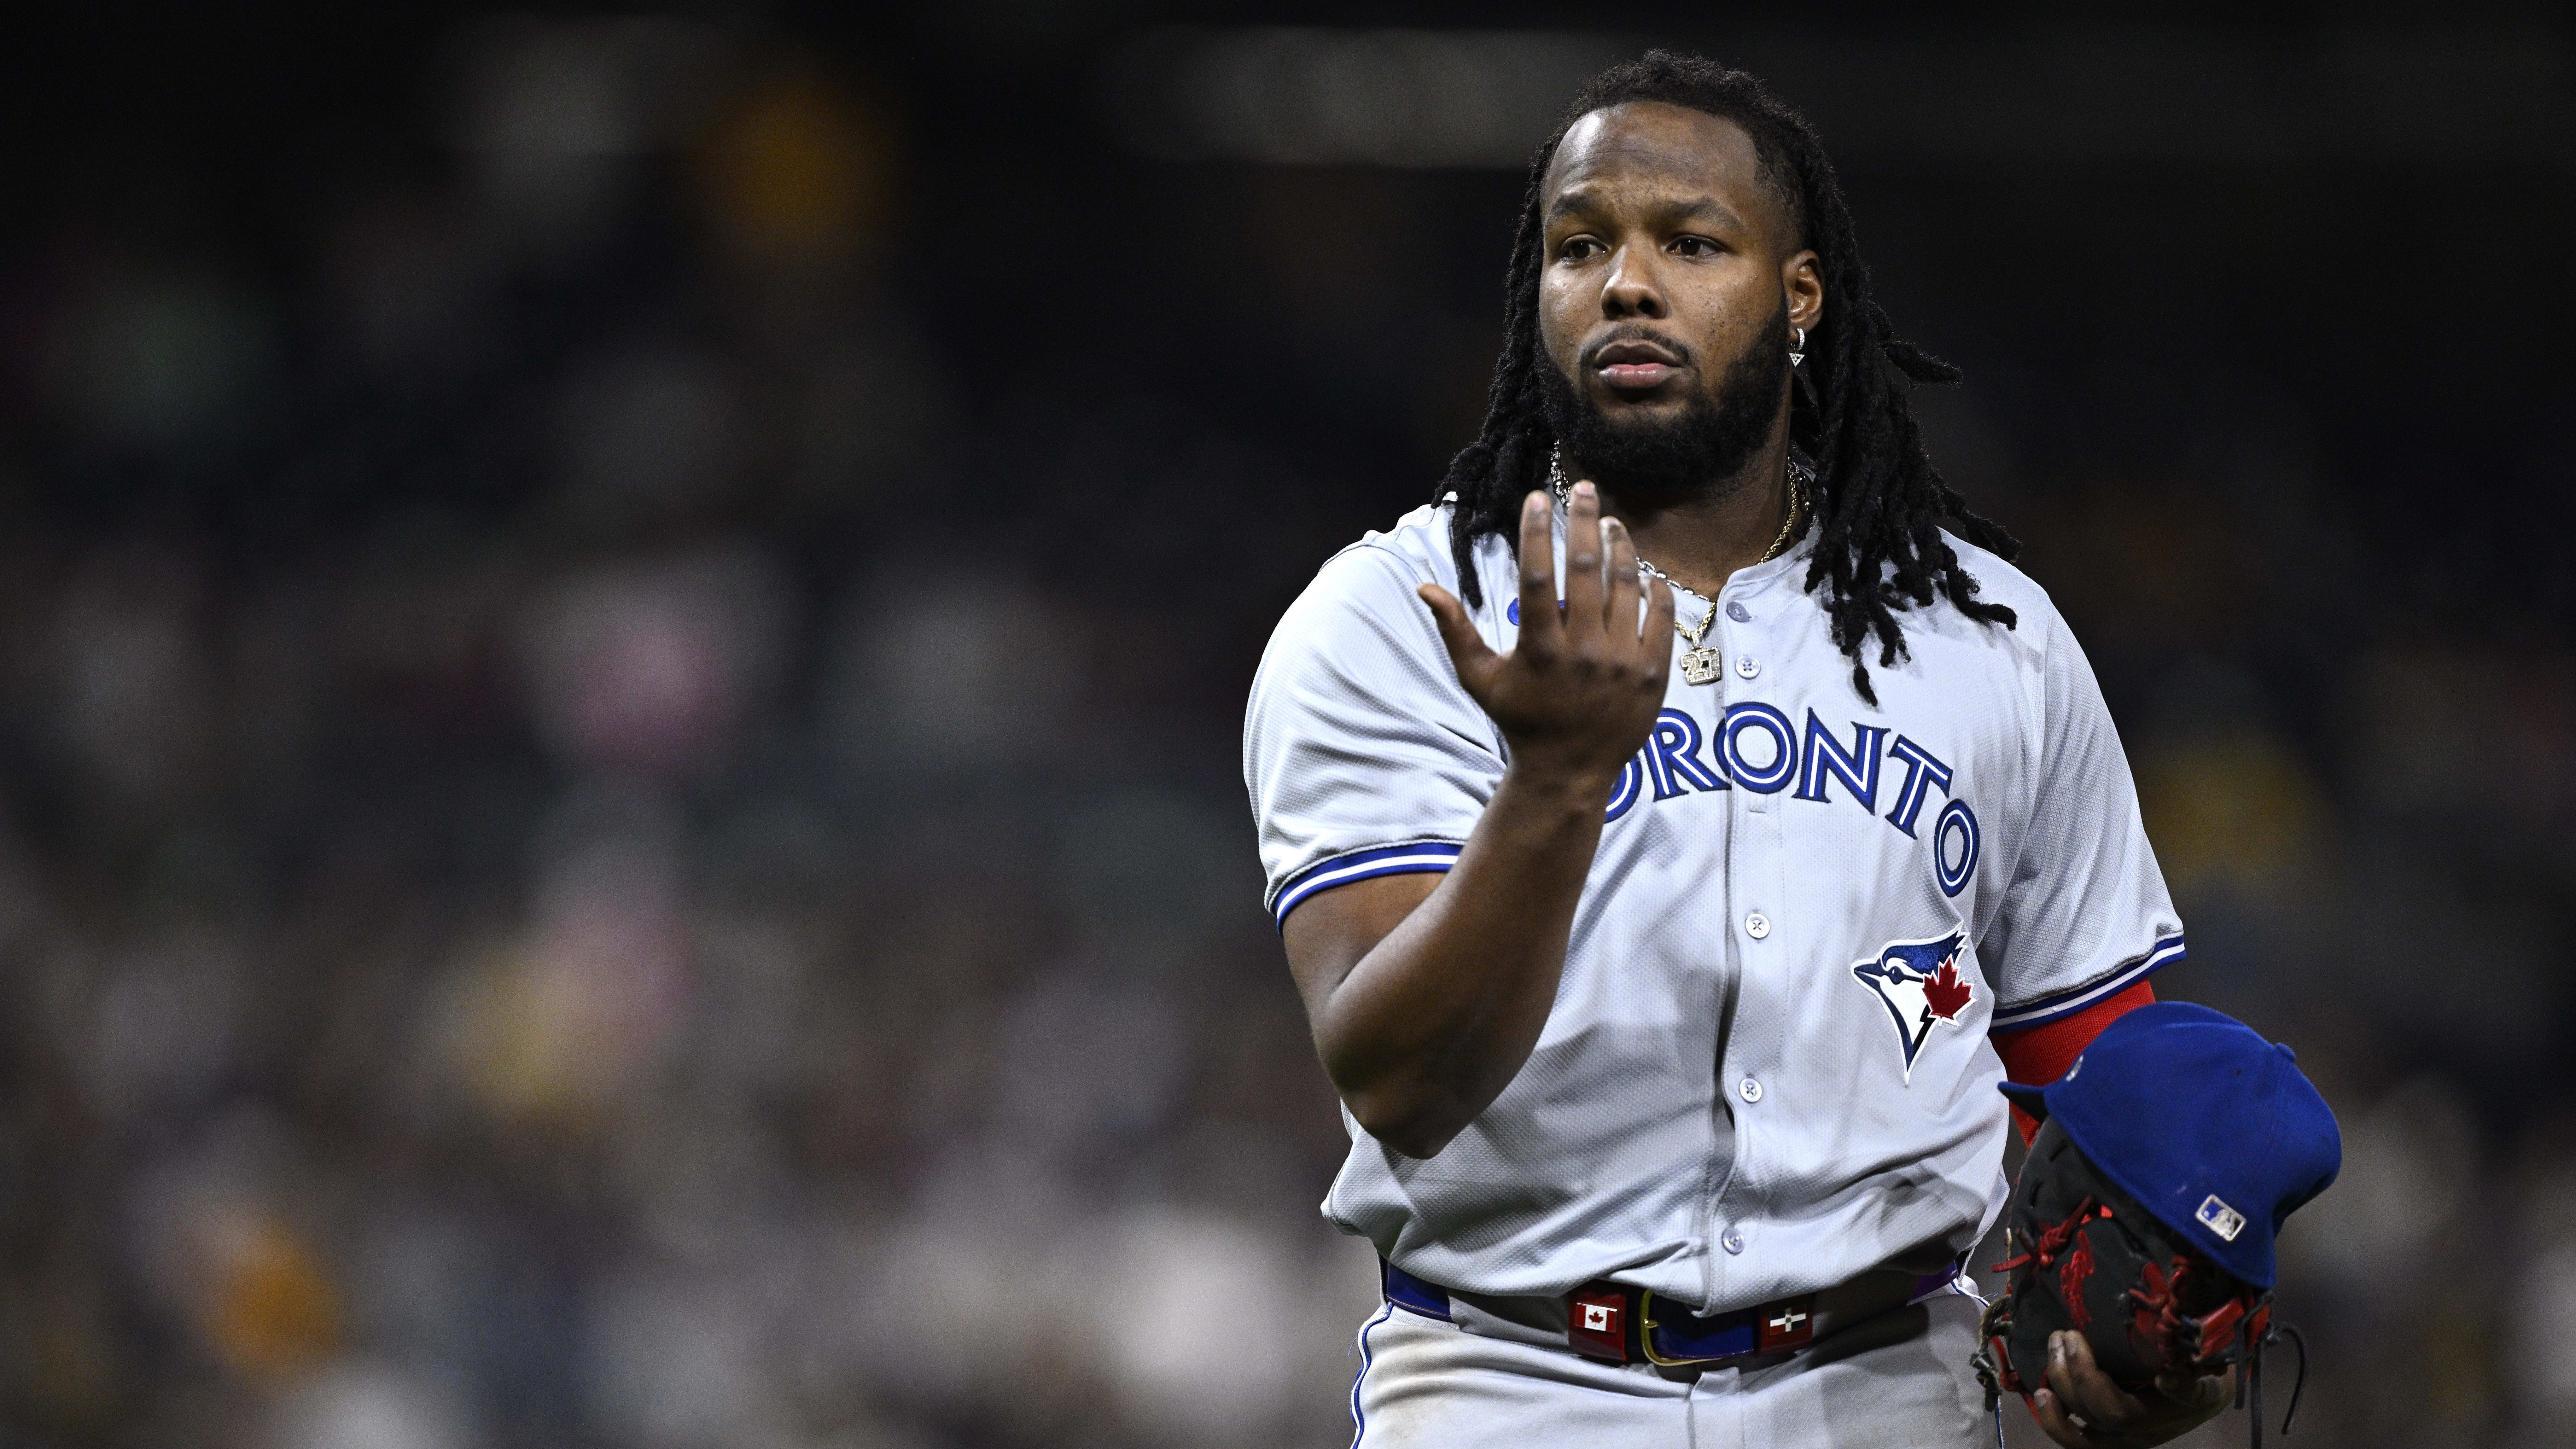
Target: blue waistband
(1678, 1333)
(1406, 1291)
(1674, 1335)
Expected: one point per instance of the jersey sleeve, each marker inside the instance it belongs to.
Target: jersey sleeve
(2085, 914)
(1363, 754)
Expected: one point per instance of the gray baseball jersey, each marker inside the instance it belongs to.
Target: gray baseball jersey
(1767, 1067)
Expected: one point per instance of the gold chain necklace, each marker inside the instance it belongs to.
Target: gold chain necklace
(1797, 512)
(1700, 663)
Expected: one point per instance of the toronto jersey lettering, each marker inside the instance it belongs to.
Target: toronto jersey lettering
(1767, 1067)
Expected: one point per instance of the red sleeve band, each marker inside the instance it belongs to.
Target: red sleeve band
(2041, 1054)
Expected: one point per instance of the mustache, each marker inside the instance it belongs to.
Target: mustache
(1590, 357)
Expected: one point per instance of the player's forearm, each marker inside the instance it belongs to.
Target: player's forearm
(1436, 1019)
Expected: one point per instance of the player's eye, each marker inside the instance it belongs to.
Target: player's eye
(1579, 249)
(1695, 246)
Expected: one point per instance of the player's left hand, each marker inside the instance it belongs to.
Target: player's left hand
(2082, 1408)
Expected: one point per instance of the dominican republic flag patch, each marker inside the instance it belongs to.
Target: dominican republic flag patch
(1788, 1323)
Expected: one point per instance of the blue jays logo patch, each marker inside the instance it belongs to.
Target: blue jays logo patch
(1921, 986)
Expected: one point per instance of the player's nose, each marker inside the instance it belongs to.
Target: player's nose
(1630, 290)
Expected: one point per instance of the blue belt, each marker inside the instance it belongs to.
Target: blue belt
(1621, 1323)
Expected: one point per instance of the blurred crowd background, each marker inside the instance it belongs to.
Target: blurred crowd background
(622, 642)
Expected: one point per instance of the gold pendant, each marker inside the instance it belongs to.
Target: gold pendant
(1702, 665)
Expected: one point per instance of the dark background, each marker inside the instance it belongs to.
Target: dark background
(622, 641)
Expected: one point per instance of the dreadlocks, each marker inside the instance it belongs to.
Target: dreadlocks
(1880, 501)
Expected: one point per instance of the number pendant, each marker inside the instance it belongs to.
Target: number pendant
(1701, 665)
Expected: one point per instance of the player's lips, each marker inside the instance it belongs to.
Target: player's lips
(1635, 366)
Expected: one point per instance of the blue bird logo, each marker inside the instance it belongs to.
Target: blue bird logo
(1921, 986)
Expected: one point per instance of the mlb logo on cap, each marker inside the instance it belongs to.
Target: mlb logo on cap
(2221, 1219)
(2211, 1128)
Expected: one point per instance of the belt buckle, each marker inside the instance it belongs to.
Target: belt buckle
(1786, 1323)
(1647, 1332)
(1598, 1320)
(1616, 1324)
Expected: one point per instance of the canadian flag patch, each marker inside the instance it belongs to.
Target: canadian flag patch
(1596, 1323)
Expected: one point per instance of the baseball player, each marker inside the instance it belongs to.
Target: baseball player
(1679, 829)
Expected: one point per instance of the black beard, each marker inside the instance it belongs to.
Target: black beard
(1694, 457)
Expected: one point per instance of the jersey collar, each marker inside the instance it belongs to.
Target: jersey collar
(1791, 566)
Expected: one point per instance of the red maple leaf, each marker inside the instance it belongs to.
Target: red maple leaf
(1944, 992)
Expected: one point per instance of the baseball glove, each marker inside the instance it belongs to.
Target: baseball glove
(2086, 1256)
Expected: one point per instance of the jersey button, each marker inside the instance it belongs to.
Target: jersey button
(1747, 665)
(1757, 925)
(1735, 610)
(1734, 1241)
(1749, 1089)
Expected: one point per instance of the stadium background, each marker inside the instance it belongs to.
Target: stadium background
(622, 641)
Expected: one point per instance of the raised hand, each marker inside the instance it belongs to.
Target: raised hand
(1427, 993)
(1576, 697)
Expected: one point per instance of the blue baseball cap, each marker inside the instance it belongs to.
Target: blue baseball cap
(2211, 1128)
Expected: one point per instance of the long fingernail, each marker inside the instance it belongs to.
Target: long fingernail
(1584, 490)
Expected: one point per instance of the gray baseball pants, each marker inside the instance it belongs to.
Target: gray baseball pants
(1895, 1381)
